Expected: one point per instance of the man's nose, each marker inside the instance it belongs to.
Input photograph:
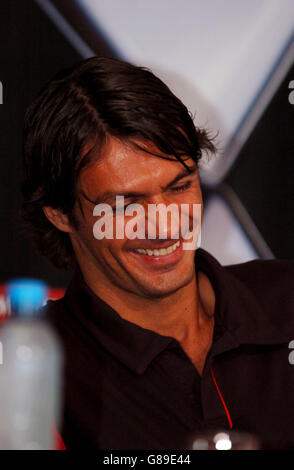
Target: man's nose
(162, 219)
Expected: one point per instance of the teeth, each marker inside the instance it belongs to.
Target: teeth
(161, 252)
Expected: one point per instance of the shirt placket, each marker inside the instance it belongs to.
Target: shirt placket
(215, 404)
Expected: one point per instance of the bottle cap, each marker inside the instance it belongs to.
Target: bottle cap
(26, 296)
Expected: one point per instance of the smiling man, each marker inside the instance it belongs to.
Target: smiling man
(161, 342)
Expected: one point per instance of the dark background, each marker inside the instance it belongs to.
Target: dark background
(32, 51)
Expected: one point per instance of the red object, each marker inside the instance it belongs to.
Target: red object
(222, 400)
(59, 444)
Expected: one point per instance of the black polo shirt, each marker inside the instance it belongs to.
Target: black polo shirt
(127, 387)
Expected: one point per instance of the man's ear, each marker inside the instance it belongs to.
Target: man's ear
(57, 218)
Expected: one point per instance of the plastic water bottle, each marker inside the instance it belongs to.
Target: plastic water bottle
(30, 376)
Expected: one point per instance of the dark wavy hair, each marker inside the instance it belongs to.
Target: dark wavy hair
(96, 98)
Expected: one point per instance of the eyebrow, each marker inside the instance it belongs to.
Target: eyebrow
(179, 177)
(109, 196)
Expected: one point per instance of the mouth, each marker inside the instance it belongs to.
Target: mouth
(158, 252)
(159, 256)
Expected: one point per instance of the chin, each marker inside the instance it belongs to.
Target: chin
(165, 287)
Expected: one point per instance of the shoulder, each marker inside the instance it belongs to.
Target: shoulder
(53, 308)
(272, 284)
(262, 274)
(57, 315)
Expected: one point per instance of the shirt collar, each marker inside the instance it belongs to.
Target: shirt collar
(131, 344)
(238, 309)
(239, 318)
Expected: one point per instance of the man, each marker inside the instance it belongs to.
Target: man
(160, 343)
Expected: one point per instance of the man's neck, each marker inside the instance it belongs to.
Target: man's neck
(186, 315)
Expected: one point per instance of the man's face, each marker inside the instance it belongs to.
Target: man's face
(143, 179)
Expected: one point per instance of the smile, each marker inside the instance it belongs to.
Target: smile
(161, 252)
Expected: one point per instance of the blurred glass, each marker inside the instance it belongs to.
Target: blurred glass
(225, 440)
